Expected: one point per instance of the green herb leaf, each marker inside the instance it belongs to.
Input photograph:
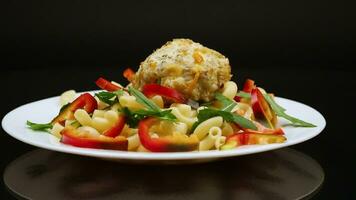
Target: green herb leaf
(119, 93)
(142, 99)
(280, 111)
(39, 127)
(227, 104)
(109, 97)
(164, 115)
(208, 113)
(243, 94)
(134, 117)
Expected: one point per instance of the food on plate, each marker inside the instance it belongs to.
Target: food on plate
(186, 66)
(180, 99)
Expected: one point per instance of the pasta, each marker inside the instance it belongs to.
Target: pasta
(173, 127)
(158, 100)
(227, 129)
(163, 120)
(111, 116)
(133, 142)
(100, 124)
(67, 97)
(230, 89)
(56, 130)
(244, 110)
(219, 142)
(130, 102)
(83, 117)
(184, 115)
(209, 141)
(203, 129)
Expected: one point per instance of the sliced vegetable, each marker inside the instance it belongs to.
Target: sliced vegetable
(133, 117)
(228, 116)
(116, 129)
(227, 104)
(165, 144)
(77, 138)
(106, 85)
(280, 111)
(85, 101)
(239, 139)
(249, 85)
(261, 109)
(264, 130)
(129, 74)
(242, 95)
(39, 127)
(109, 98)
(169, 93)
(143, 100)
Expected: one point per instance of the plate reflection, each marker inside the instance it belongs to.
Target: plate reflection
(280, 174)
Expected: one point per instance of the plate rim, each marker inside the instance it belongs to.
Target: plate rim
(127, 155)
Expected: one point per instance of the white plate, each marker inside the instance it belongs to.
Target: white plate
(43, 111)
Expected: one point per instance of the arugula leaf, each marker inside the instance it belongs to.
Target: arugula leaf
(227, 104)
(134, 117)
(119, 93)
(280, 111)
(208, 113)
(142, 99)
(109, 97)
(39, 127)
(243, 94)
(164, 115)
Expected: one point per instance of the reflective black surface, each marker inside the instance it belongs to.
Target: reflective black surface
(329, 91)
(280, 174)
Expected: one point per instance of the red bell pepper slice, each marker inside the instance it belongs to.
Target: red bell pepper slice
(72, 136)
(264, 130)
(249, 85)
(169, 93)
(237, 98)
(261, 108)
(165, 144)
(106, 85)
(129, 74)
(116, 129)
(86, 101)
(245, 138)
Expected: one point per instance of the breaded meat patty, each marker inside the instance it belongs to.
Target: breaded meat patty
(189, 67)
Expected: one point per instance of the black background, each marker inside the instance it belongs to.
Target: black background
(299, 50)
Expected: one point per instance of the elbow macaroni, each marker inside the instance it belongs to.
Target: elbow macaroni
(67, 97)
(130, 102)
(203, 128)
(209, 141)
(133, 142)
(183, 116)
(230, 89)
